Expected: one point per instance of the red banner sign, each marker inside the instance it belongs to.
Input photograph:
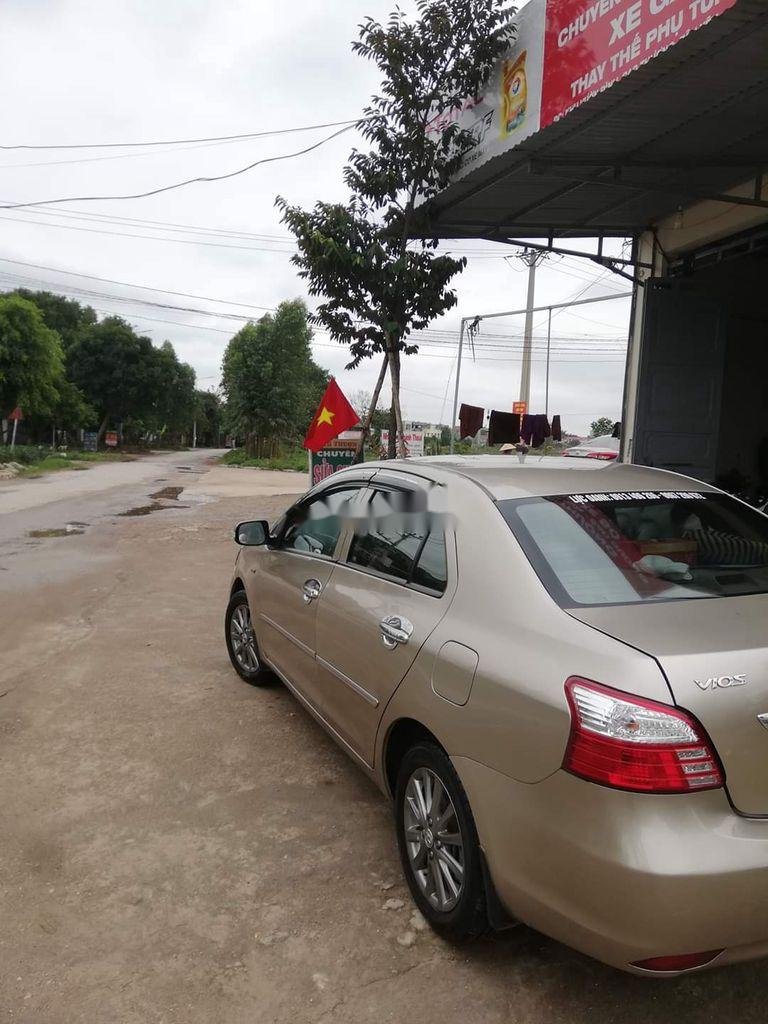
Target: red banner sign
(590, 44)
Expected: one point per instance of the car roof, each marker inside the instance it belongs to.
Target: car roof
(604, 441)
(504, 476)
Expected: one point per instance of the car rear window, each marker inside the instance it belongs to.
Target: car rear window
(600, 549)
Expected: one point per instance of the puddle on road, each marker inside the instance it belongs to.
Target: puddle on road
(146, 510)
(70, 530)
(167, 493)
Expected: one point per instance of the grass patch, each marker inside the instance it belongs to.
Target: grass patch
(292, 459)
(36, 461)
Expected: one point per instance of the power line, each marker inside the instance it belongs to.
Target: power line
(585, 354)
(126, 284)
(181, 184)
(134, 155)
(448, 334)
(186, 229)
(181, 142)
(149, 238)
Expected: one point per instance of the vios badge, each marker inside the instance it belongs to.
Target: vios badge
(721, 682)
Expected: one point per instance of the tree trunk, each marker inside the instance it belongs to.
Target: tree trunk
(102, 428)
(394, 372)
(374, 402)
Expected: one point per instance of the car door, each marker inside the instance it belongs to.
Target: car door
(387, 593)
(289, 576)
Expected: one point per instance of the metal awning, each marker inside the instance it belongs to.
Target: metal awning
(689, 125)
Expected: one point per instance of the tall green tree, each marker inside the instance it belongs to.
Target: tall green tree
(208, 415)
(269, 378)
(31, 358)
(117, 371)
(67, 317)
(379, 280)
(176, 405)
(602, 425)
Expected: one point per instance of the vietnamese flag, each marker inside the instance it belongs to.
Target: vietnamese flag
(334, 415)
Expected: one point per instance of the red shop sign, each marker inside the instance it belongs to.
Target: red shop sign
(590, 44)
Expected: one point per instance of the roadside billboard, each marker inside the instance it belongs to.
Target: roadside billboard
(564, 53)
(336, 455)
(590, 44)
(414, 442)
(507, 110)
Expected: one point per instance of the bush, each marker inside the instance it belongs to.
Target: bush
(24, 454)
(290, 458)
(42, 456)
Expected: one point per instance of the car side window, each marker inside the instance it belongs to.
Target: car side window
(313, 527)
(431, 570)
(400, 545)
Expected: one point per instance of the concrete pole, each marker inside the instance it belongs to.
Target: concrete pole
(458, 379)
(531, 258)
(549, 344)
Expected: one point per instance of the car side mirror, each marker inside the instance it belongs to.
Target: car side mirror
(253, 534)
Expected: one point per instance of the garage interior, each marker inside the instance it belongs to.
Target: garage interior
(703, 383)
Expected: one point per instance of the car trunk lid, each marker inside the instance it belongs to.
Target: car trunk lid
(714, 653)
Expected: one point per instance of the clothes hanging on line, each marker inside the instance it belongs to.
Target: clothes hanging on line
(526, 429)
(557, 430)
(470, 420)
(535, 430)
(504, 428)
(541, 431)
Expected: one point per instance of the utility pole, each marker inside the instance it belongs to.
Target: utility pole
(531, 258)
(458, 381)
(549, 348)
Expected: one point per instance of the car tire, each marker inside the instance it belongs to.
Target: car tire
(241, 642)
(463, 915)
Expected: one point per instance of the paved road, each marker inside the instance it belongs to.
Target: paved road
(180, 848)
(103, 488)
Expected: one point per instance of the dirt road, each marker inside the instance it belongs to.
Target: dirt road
(179, 848)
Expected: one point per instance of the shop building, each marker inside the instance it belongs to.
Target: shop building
(642, 126)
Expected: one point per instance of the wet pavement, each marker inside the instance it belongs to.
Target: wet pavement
(66, 504)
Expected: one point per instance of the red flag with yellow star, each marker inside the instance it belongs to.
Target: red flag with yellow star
(334, 415)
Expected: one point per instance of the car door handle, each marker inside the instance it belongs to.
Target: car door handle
(312, 589)
(395, 630)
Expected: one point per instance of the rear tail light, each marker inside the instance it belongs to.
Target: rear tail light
(636, 744)
(682, 962)
(605, 456)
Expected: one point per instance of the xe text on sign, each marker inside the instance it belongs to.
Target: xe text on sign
(590, 44)
(565, 52)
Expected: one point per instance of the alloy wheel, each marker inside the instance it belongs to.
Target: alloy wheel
(243, 640)
(433, 840)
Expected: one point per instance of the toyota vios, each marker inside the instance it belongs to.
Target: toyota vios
(558, 671)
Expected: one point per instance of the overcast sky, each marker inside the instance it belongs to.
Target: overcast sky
(81, 71)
